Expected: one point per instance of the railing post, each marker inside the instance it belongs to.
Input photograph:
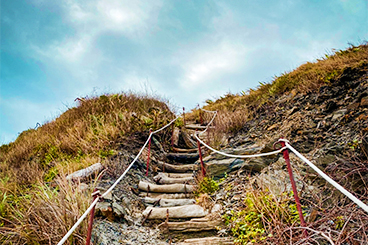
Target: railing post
(149, 151)
(293, 185)
(172, 136)
(200, 158)
(184, 116)
(95, 195)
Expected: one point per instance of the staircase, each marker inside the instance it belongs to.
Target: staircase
(170, 201)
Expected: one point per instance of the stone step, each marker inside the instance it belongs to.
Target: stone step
(183, 157)
(163, 179)
(193, 225)
(169, 188)
(177, 168)
(208, 241)
(181, 212)
(167, 195)
(168, 202)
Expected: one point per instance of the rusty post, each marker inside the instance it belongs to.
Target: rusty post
(95, 194)
(184, 116)
(149, 152)
(293, 185)
(200, 157)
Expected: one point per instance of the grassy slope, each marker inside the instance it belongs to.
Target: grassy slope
(81, 136)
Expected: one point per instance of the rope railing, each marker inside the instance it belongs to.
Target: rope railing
(79, 221)
(285, 146)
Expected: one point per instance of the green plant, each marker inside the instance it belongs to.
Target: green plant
(207, 185)
(260, 210)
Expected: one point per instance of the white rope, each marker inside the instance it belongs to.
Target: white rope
(240, 156)
(112, 187)
(155, 132)
(208, 111)
(78, 222)
(208, 125)
(328, 179)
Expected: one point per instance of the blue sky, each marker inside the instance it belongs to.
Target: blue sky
(186, 51)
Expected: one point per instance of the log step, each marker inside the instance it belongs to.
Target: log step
(180, 150)
(208, 241)
(194, 225)
(181, 212)
(183, 157)
(195, 126)
(170, 188)
(177, 168)
(167, 196)
(168, 202)
(176, 175)
(163, 179)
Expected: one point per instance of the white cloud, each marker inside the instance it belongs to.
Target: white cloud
(209, 64)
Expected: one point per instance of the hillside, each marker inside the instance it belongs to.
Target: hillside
(320, 107)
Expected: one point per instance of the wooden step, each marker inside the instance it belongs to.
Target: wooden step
(167, 195)
(170, 188)
(195, 126)
(183, 157)
(208, 241)
(179, 150)
(194, 225)
(177, 168)
(176, 175)
(163, 179)
(181, 212)
(168, 202)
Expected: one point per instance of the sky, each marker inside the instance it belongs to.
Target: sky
(185, 51)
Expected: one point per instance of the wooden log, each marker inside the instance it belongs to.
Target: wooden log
(169, 202)
(177, 168)
(163, 179)
(183, 157)
(196, 225)
(176, 175)
(208, 241)
(175, 136)
(179, 150)
(195, 126)
(172, 188)
(85, 173)
(167, 196)
(188, 140)
(181, 212)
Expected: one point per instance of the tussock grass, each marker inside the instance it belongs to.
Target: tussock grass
(40, 158)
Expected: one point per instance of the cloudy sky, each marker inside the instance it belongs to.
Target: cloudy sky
(186, 51)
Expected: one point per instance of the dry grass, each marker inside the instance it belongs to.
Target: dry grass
(41, 157)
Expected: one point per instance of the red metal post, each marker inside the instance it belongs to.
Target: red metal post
(149, 152)
(293, 185)
(184, 116)
(91, 216)
(201, 159)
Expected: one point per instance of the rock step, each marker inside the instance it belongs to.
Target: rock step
(169, 188)
(183, 157)
(208, 241)
(167, 196)
(168, 202)
(193, 225)
(163, 179)
(177, 168)
(181, 212)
